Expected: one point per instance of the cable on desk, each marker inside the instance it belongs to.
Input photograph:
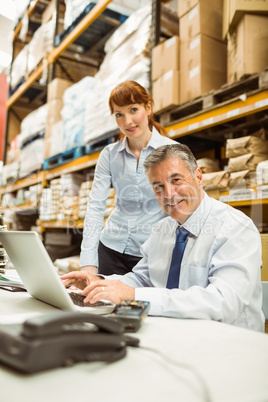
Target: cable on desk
(167, 359)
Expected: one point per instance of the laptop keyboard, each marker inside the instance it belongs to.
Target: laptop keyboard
(78, 300)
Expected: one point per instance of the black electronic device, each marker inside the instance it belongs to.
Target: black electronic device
(131, 313)
(62, 339)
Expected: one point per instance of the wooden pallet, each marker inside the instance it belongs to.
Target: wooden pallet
(101, 142)
(64, 157)
(216, 98)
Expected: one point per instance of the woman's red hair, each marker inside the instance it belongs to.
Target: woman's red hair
(129, 92)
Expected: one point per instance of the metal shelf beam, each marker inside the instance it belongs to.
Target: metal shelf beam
(239, 108)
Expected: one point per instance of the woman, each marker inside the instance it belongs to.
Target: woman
(116, 248)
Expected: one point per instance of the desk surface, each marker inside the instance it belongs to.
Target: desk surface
(177, 361)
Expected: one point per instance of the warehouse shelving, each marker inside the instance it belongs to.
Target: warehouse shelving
(221, 114)
(56, 52)
(209, 123)
(63, 48)
(31, 180)
(29, 12)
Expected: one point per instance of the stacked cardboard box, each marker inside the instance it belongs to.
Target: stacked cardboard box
(84, 194)
(244, 154)
(54, 125)
(84, 197)
(166, 74)
(235, 10)
(203, 53)
(247, 47)
(245, 25)
(60, 201)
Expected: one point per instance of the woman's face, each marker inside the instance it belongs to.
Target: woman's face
(132, 120)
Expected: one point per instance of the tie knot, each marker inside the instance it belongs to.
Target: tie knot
(181, 235)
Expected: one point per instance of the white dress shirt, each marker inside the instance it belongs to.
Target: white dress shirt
(136, 209)
(220, 270)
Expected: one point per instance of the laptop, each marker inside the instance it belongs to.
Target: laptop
(37, 272)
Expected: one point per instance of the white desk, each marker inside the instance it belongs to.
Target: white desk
(233, 363)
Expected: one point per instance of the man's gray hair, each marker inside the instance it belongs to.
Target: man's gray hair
(164, 152)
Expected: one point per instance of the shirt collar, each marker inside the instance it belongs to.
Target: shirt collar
(153, 143)
(198, 218)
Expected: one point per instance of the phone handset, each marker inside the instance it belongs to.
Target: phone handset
(62, 322)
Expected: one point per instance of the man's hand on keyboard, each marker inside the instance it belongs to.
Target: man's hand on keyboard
(112, 290)
(96, 289)
(79, 279)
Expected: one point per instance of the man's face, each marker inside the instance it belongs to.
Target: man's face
(177, 191)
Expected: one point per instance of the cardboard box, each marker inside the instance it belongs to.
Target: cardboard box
(264, 270)
(53, 111)
(205, 18)
(203, 66)
(56, 88)
(247, 47)
(53, 117)
(166, 91)
(233, 11)
(166, 57)
(185, 6)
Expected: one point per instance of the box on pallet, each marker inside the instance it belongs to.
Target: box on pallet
(166, 90)
(233, 11)
(247, 47)
(185, 6)
(204, 18)
(203, 66)
(56, 88)
(165, 57)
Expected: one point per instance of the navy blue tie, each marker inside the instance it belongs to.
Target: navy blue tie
(175, 266)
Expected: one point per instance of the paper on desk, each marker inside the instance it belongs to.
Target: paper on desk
(17, 318)
(11, 275)
(12, 280)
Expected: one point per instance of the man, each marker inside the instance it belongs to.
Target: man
(219, 275)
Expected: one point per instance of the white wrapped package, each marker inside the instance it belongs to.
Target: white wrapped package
(19, 67)
(33, 123)
(127, 58)
(32, 157)
(73, 9)
(41, 44)
(262, 173)
(74, 132)
(57, 138)
(75, 97)
(125, 6)
(10, 172)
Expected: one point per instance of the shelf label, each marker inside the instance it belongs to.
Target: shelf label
(208, 121)
(233, 113)
(261, 103)
(193, 126)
